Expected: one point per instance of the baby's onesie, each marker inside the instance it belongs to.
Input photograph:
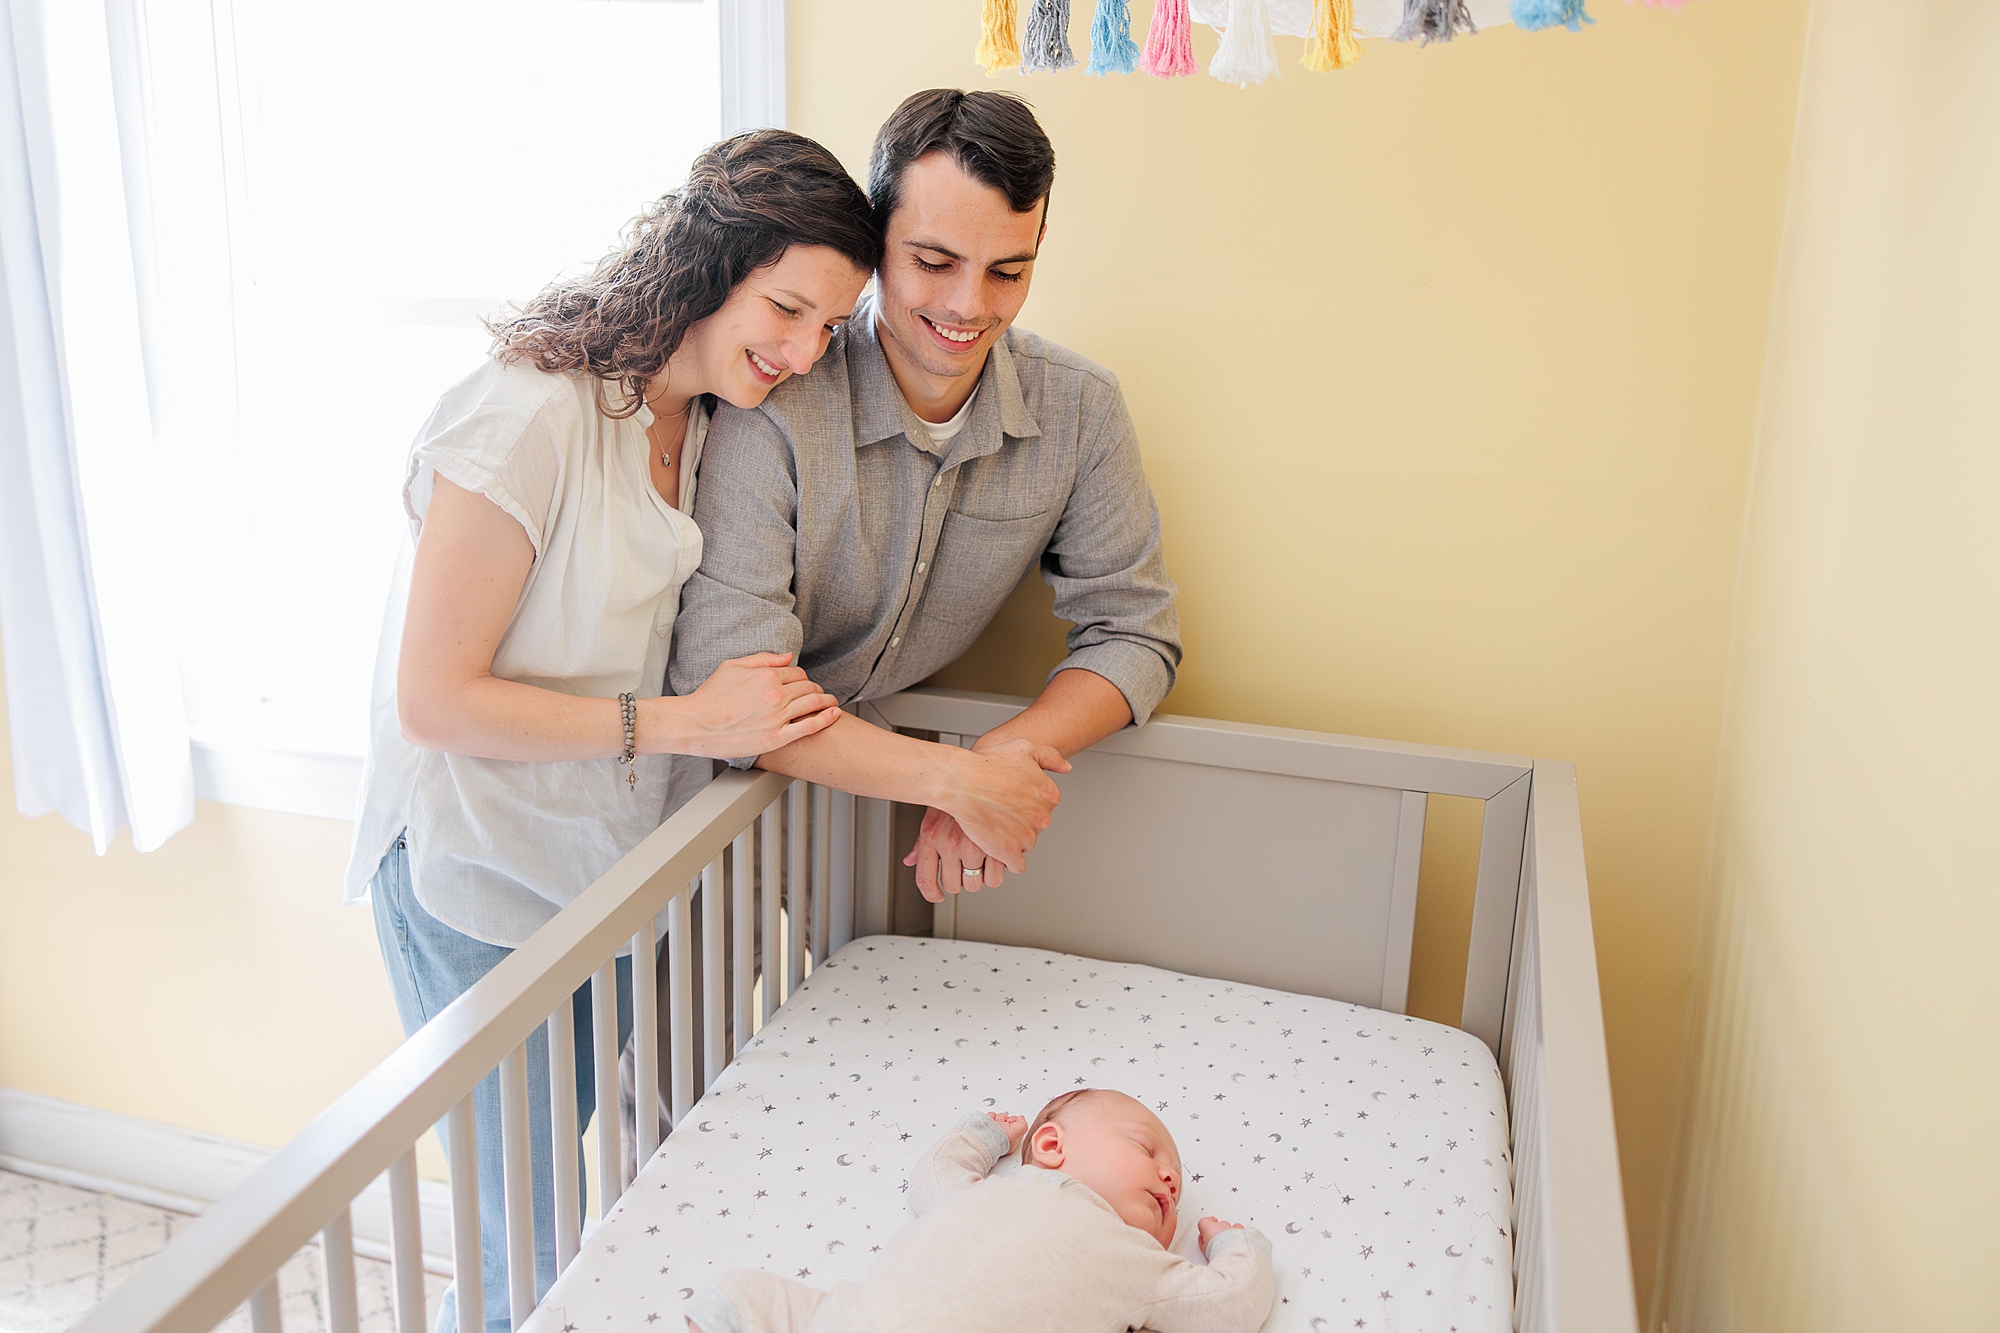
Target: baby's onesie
(1035, 1252)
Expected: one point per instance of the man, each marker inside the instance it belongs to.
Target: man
(873, 515)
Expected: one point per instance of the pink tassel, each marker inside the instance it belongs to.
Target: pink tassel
(1169, 41)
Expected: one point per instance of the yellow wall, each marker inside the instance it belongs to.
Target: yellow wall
(1446, 371)
(216, 983)
(1839, 1161)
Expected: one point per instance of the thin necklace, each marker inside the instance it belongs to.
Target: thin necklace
(666, 458)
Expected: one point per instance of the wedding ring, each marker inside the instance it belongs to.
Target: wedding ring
(974, 870)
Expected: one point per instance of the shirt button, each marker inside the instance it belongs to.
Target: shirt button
(937, 481)
(921, 566)
(897, 640)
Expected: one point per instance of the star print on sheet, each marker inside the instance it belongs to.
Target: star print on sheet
(1020, 1026)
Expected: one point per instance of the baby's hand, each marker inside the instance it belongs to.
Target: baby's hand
(1211, 1227)
(1014, 1127)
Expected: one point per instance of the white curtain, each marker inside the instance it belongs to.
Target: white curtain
(93, 683)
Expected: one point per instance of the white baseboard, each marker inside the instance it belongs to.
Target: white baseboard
(180, 1170)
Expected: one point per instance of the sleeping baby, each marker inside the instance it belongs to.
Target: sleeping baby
(1077, 1239)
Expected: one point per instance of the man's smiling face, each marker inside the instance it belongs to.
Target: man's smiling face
(956, 272)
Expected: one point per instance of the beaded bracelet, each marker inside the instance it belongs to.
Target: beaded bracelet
(628, 711)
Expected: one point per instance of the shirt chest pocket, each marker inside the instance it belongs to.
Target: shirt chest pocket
(979, 561)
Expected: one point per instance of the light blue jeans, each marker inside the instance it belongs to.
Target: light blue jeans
(430, 965)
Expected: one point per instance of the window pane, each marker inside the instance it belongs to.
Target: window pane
(399, 168)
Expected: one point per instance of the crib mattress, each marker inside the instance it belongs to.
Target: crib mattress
(1371, 1148)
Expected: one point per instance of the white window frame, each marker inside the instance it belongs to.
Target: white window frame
(754, 70)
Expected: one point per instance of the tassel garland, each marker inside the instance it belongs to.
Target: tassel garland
(1112, 50)
(1046, 45)
(1534, 15)
(1333, 44)
(998, 47)
(1169, 41)
(1245, 56)
(1433, 21)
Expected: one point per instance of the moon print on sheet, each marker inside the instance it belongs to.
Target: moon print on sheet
(705, 1127)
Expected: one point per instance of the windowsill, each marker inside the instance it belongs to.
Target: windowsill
(297, 783)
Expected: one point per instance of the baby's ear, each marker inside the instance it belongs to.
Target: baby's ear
(1045, 1145)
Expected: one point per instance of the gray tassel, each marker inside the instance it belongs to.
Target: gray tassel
(1433, 21)
(1045, 45)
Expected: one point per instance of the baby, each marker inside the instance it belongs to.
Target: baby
(1075, 1240)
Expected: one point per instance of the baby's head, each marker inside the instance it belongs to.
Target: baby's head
(1111, 1143)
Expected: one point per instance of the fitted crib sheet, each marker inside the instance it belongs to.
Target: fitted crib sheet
(1370, 1147)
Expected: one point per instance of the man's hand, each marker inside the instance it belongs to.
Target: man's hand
(1000, 804)
(1014, 1127)
(1211, 1227)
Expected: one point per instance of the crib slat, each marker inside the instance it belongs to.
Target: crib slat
(714, 1017)
(336, 1263)
(798, 898)
(264, 1314)
(406, 1242)
(680, 1004)
(743, 934)
(840, 842)
(767, 828)
(604, 1054)
(822, 870)
(515, 1172)
(563, 1148)
(645, 1048)
(462, 1146)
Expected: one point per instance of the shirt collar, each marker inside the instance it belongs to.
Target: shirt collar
(881, 412)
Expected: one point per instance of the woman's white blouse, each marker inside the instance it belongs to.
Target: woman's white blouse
(497, 846)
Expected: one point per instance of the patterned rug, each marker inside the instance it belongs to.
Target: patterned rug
(63, 1249)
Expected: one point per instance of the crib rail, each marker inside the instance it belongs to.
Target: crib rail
(1572, 1268)
(780, 843)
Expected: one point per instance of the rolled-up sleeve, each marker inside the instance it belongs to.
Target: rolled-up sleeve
(1110, 578)
(741, 599)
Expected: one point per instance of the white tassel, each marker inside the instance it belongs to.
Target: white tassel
(1245, 56)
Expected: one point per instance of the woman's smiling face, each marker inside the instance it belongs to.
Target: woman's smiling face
(776, 324)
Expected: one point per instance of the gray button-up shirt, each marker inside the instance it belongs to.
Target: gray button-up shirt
(835, 528)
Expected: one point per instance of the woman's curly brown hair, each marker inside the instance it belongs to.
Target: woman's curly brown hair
(746, 200)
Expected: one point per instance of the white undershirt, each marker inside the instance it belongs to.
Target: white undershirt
(941, 432)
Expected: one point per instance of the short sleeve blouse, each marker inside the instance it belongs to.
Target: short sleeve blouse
(497, 847)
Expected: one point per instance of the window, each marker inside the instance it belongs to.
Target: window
(338, 193)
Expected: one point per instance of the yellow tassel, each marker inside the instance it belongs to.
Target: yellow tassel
(999, 37)
(1333, 44)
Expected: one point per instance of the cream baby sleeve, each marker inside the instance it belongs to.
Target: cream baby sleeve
(962, 1158)
(1232, 1294)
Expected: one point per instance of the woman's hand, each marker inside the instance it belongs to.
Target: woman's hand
(750, 706)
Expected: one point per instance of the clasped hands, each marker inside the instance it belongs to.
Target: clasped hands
(1000, 799)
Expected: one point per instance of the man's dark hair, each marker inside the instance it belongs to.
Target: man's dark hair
(993, 137)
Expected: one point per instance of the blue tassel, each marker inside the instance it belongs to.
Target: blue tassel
(1112, 50)
(1534, 15)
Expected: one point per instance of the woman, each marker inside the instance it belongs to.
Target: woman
(521, 744)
